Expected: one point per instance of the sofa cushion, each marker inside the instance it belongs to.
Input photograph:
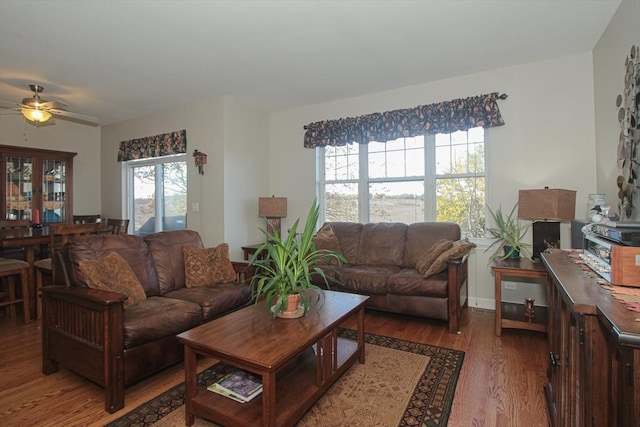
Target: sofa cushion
(325, 239)
(459, 249)
(130, 247)
(409, 281)
(207, 266)
(214, 300)
(348, 234)
(158, 317)
(422, 235)
(431, 254)
(166, 251)
(366, 279)
(382, 243)
(113, 273)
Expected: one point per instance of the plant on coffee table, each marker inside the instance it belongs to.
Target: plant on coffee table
(286, 267)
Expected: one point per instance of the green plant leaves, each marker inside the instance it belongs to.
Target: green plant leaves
(286, 266)
(508, 231)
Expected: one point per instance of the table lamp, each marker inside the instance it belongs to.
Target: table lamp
(272, 208)
(546, 208)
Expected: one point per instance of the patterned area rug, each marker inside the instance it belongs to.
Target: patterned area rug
(402, 383)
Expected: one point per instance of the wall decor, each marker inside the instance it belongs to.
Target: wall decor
(201, 160)
(628, 107)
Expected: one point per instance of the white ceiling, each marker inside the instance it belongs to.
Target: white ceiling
(118, 60)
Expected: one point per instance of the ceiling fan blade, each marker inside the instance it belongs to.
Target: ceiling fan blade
(58, 105)
(74, 117)
(8, 104)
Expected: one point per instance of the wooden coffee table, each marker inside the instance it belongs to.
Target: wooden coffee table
(294, 376)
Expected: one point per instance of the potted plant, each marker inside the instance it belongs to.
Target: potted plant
(507, 236)
(285, 267)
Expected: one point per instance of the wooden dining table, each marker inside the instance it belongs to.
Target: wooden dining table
(27, 238)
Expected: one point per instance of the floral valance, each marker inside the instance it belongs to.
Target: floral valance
(443, 117)
(165, 144)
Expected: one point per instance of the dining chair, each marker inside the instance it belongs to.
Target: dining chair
(10, 224)
(85, 219)
(117, 226)
(14, 223)
(59, 235)
(9, 270)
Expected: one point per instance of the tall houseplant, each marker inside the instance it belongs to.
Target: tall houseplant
(286, 267)
(507, 236)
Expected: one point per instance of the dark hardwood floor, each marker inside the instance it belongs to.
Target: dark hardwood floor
(500, 383)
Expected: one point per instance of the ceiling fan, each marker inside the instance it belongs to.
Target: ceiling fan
(39, 111)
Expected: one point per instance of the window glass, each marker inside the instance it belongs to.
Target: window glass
(157, 194)
(396, 202)
(432, 178)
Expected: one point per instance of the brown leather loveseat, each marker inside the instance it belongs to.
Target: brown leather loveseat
(381, 263)
(94, 334)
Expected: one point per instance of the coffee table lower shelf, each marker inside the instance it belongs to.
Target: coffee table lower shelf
(297, 388)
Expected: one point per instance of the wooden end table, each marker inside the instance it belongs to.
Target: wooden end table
(511, 315)
(294, 376)
(249, 250)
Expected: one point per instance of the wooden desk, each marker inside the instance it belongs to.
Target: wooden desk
(27, 238)
(511, 315)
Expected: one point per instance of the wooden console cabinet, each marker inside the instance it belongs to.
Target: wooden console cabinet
(594, 342)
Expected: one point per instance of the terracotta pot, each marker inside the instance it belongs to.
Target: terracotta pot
(292, 304)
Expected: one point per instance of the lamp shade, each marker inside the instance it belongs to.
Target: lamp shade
(272, 207)
(547, 204)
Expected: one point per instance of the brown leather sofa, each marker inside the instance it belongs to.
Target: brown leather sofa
(381, 263)
(90, 332)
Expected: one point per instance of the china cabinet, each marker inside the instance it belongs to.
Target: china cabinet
(37, 184)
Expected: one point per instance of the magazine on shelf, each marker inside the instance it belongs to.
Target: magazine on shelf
(214, 388)
(238, 385)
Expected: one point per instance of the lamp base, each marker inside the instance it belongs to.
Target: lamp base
(273, 225)
(546, 234)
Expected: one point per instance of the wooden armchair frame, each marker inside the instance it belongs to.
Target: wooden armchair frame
(458, 291)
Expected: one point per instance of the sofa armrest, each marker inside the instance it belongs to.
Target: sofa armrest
(457, 270)
(83, 329)
(85, 295)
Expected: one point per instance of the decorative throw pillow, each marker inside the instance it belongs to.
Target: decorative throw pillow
(325, 239)
(431, 254)
(207, 266)
(113, 273)
(458, 250)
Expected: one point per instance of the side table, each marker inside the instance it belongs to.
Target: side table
(249, 250)
(511, 315)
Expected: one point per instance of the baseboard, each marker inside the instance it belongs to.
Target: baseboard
(484, 303)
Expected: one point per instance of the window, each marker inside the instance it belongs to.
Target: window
(426, 178)
(157, 193)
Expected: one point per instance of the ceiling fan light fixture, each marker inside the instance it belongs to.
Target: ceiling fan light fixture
(35, 115)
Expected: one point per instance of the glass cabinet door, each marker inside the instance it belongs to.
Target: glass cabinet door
(54, 190)
(37, 184)
(19, 189)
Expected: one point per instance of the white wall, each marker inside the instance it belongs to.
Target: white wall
(232, 175)
(609, 70)
(548, 139)
(63, 136)
(246, 172)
